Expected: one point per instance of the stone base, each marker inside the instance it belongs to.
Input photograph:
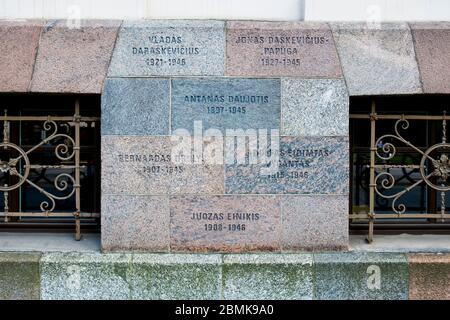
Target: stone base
(344, 275)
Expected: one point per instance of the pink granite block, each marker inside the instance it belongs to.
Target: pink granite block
(18, 45)
(225, 223)
(74, 60)
(429, 276)
(135, 223)
(432, 45)
(303, 49)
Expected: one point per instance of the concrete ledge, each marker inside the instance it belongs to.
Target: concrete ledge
(343, 275)
(19, 276)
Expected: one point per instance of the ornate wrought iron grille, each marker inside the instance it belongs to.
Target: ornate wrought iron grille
(62, 135)
(430, 168)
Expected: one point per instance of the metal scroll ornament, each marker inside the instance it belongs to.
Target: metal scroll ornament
(438, 168)
(12, 166)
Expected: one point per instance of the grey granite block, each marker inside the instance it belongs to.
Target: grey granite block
(176, 276)
(144, 165)
(226, 103)
(314, 222)
(169, 47)
(377, 60)
(305, 165)
(225, 223)
(19, 276)
(135, 223)
(135, 106)
(364, 276)
(268, 276)
(314, 107)
(85, 276)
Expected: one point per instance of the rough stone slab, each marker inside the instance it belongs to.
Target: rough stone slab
(432, 44)
(226, 103)
(377, 60)
(136, 106)
(18, 46)
(74, 60)
(281, 49)
(314, 107)
(176, 276)
(353, 275)
(314, 222)
(135, 223)
(143, 165)
(268, 276)
(169, 47)
(316, 165)
(429, 276)
(19, 276)
(85, 276)
(225, 223)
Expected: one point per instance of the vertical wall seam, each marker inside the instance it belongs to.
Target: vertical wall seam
(111, 56)
(30, 84)
(413, 38)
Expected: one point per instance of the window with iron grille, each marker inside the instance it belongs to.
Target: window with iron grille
(49, 162)
(400, 160)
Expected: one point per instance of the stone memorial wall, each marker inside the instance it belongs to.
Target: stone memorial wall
(230, 90)
(226, 136)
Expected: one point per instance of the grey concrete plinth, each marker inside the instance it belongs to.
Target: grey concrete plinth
(377, 59)
(85, 276)
(362, 276)
(268, 276)
(19, 276)
(314, 107)
(176, 276)
(169, 47)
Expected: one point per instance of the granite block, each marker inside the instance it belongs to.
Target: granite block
(361, 276)
(85, 276)
(304, 49)
(377, 61)
(314, 222)
(135, 106)
(18, 46)
(432, 44)
(74, 60)
(316, 165)
(225, 223)
(314, 107)
(225, 103)
(135, 223)
(169, 47)
(176, 276)
(19, 276)
(429, 276)
(268, 277)
(144, 165)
